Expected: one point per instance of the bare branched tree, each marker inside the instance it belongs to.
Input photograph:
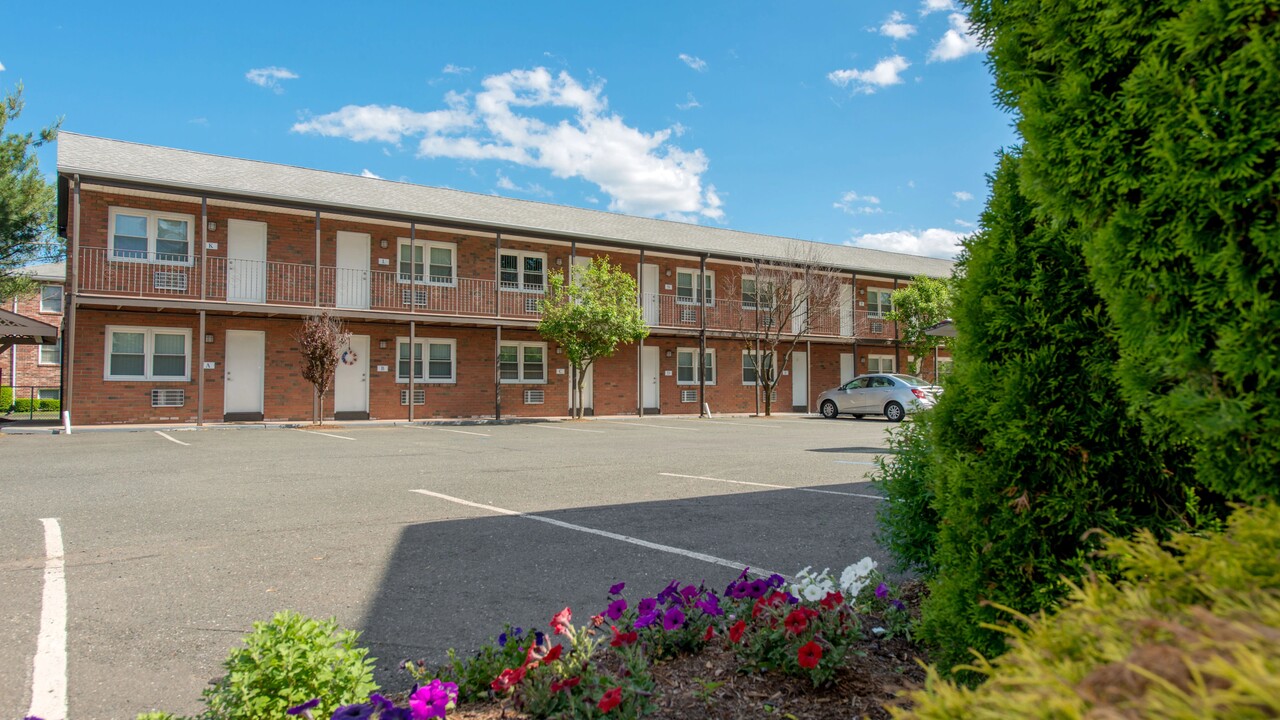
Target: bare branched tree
(780, 303)
(321, 340)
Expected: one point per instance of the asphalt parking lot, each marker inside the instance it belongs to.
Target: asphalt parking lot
(422, 537)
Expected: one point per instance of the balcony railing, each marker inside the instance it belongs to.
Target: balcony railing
(148, 275)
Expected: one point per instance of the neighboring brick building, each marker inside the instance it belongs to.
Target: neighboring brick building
(190, 275)
(36, 368)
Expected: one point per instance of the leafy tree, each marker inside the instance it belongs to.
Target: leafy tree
(321, 342)
(590, 314)
(1154, 126)
(1034, 449)
(28, 229)
(916, 308)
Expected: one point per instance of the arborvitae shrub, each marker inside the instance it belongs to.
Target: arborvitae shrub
(908, 521)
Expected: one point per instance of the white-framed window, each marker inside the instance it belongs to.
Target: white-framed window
(880, 363)
(50, 354)
(943, 368)
(523, 271)
(749, 374)
(688, 284)
(522, 362)
(429, 262)
(432, 361)
(50, 298)
(139, 353)
(148, 236)
(879, 302)
(687, 366)
(49, 394)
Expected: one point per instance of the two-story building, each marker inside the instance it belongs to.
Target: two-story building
(189, 275)
(35, 371)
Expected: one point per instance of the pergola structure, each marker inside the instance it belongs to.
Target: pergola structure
(17, 329)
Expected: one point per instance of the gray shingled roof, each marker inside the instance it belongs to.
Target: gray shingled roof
(117, 160)
(46, 271)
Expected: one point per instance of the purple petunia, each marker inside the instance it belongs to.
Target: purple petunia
(673, 620)
(615, 609)
(615, 589)
(647, 606)
(757, 588)
(300, 709)
(647, 619)
(897, 604)
(688, 593)
(776, 581)
(669, 592)
(359, 711)
(710, 605)
(433, 699)
(882, 591)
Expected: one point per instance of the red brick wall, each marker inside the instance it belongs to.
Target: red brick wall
(27, 370)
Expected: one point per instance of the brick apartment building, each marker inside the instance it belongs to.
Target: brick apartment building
(189, 275)
(36, 370)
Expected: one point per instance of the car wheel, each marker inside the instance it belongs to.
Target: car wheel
(894, 412)
(829, 410)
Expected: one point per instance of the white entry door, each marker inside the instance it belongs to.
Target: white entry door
(800, 380)
(242, 393)
(649, 377)
(246, 261)
(846, 310)
(847, 371)
(588, 397)
(649, 294)
(351, 276)
(351, 381)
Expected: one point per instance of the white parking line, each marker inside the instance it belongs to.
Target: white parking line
(779, 487)
(634, 423)
(49, 668)
(171, 439)
(460, 432)
(744, 424)
(340, 437)
(853, 462)
(603, 533)
(557, 427)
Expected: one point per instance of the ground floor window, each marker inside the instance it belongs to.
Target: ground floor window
(522, 362)
(432, 360)
(49, 394)
(880, 363)
(135, 353)
(749, 374)
(687, 366)
(51, 354)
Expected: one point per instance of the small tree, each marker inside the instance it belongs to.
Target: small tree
(27, 225)
(916, 308)
(321, 342)
(782, 302)
(589, 315)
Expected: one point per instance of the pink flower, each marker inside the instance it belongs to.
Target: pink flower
(560, 623)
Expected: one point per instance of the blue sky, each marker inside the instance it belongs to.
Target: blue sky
(867, 123)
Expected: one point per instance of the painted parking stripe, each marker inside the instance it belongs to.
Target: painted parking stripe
(172, 439)
(779, 487)
(340, 437)
(604, 533)
(853, 462)
(644, 424)
(460, 432)
(743, 424)
(49, 668)
(557, 427)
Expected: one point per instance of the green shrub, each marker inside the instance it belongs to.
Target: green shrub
(6, 398)
(1154, 125)
(908, 521)
(1035, 449)
(50, 405)
(26, 405)
(289, 661)
(1191, 630)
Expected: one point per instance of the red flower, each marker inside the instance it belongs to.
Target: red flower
(610, 700)
(796, 622)
(553, 654)
(810, 654)
(626, 638)
(833, 600)
(774, 600)
(597, 620)
(558, 685)
(560, 623)
(507, 679)
(735, 632)
(711, 632)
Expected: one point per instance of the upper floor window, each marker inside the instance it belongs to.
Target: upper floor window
(690, 283)
(879, 302)
(522, 270)
(429, 262)
(522, 362)
(148, 353)
(150, 236)
(50, 298)
(687, 366)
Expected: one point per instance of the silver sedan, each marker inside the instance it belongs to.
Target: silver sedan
(891, 395)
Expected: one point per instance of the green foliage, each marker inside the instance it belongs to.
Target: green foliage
(1155, 126)
(590, 314)
(908, 521)
(289, 661)
(6, 398)
(26, 405)
(472, 675)
(27, 203)
(916, 308)
(1191, 630)
(1035, 450)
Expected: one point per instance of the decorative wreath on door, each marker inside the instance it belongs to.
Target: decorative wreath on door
(349, 357)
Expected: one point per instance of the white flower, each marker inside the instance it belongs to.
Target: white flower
(854, 577)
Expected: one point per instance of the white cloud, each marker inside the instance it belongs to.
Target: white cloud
(963, 196)
(886, 72)
(933, 6)
(370, 174)
(505, 183)
(692, 103)
(203, 121)
(452, 69)
(855, 204)
(956, 42)
(642, 173)
(965, 223)
(1, 67)
(934, 242)
(270, 77)
(694, 62)
(895, 28)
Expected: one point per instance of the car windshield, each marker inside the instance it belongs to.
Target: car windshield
(913, 381)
